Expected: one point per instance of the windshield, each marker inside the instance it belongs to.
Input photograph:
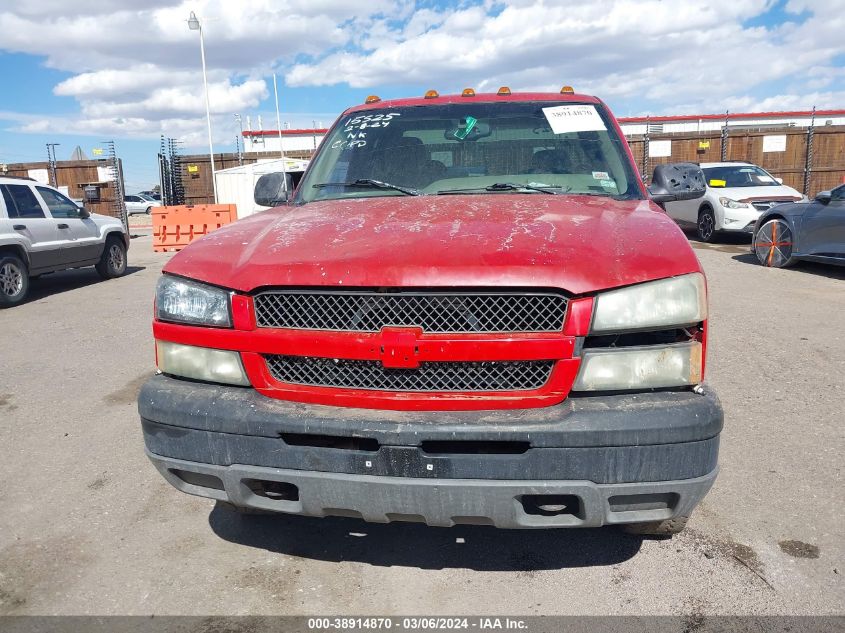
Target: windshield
(528, 147)
(739, 176)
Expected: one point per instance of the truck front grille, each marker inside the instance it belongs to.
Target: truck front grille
(434, 312)
(431, 376)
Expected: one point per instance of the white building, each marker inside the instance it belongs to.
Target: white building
(236, 185)
(633, 126)
(303, 140)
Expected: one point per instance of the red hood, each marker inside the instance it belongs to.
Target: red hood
(577, 243)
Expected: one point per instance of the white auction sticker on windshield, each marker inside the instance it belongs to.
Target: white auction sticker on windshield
(574, 118)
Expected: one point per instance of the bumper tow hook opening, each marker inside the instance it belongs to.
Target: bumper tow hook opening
(551, 505)
(276, 490)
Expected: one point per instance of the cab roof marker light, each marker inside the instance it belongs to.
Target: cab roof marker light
(431, 94)
(372, 99)
(567, 90)
(504, 91)
(468, 92)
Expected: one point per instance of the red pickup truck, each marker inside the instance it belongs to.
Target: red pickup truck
(470, 310)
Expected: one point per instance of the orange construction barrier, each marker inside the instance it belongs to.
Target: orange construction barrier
(176, 227)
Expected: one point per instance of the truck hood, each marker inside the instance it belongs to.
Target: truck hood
(749, 194)
(577, 243)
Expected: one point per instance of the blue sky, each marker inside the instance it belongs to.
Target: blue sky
(128, 71)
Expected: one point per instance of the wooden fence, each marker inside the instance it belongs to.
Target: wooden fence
(826, 160)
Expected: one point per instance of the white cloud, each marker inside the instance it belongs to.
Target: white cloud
(135, 71)
(668, 54)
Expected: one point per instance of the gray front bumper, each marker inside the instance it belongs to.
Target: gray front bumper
(617, 458)
(439, 502)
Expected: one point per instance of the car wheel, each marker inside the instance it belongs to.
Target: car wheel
(773, 244)
(148, 210)
(657, 528)
(14, 281)
(706, 227)
(113, 261)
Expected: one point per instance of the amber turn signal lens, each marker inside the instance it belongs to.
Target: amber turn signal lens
(468, 92)
(504, 91)
(567, 90)
(372, 99)
(431, 94)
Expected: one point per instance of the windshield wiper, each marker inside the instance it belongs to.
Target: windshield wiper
(369, 182)
(509, 186)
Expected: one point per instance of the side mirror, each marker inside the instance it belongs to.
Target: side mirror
(84, 213)
(823, 197)
(273, 189)
(676, 181)
(779, 181)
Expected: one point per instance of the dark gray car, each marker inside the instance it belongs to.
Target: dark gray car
(812, 231)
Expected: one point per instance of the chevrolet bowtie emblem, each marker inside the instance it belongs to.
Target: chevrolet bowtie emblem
(399, 347)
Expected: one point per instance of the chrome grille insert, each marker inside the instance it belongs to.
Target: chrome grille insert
(434, 312)
(764, 206)
(431, 376)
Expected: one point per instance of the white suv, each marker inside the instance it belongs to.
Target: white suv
(737, 193)
(43, 231)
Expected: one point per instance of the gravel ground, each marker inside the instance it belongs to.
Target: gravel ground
(89, 527)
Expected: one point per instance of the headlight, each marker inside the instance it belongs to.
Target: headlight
(191, 302)
(729, 203)
(675, 302)
(650, 367)
(201, 363)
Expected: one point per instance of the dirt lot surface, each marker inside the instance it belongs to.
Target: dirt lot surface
(89, 527)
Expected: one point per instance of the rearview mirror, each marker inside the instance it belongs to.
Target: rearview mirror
(273, 189)
(823, 197)
(468, 129)
(676, 181)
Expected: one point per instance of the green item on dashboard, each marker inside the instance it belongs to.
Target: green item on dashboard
(463, 132)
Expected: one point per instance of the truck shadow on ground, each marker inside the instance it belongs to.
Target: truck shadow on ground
(811, 268)
(480, 548)
(64, 281)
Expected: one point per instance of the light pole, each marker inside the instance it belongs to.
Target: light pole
(195, 25)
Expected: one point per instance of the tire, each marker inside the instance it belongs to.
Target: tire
(113, 261)
(14, 281)
(148, 210)
(773, 244)
(706, 227)
(668, 527)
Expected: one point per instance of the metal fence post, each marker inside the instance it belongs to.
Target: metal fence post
(115, 167)
(724, 149)
(51, 163)
(808, 159)
(645, 150)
